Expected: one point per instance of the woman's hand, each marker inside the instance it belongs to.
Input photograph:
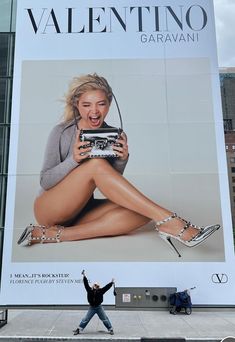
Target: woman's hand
(122, 150)
(80, 150)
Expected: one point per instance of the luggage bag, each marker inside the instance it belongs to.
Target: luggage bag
(181, 300)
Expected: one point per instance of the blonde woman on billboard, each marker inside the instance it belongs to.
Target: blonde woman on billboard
(66, 209)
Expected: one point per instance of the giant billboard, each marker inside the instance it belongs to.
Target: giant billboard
(159, 58)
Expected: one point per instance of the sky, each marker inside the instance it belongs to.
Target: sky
(225, 31)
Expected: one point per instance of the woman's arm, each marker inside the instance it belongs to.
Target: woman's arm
(123, 154)
(107, 287)
(53, 170)
(86, 284)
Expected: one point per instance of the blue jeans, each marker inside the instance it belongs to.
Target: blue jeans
(101, 314)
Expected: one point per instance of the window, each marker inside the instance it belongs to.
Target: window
(232, 160)
(6, 75)
(7, 42)
(5, 15)
(228, 125)
(4, 43)
(233, 169)
(3, 190)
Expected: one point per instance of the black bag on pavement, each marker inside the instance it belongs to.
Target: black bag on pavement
(179, 301)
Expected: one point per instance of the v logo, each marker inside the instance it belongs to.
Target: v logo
(219, 278)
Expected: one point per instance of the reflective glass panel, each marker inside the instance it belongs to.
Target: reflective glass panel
(3, 91)
(13, 19)
(5, 15)
(4, 55)
(1, 148)
(4, 147)
(3, 183)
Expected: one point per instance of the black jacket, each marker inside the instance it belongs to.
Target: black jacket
(95, 296)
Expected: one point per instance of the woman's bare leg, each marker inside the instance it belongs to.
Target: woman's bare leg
(99, 208)
(105, 219)
(119, 221)
(70, 195)
(67, 198)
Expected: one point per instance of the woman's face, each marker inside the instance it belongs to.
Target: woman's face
(93, 107)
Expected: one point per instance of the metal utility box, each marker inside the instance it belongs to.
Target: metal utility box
(143, 297)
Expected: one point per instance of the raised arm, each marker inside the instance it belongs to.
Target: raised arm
(108, 286)
(85, 281)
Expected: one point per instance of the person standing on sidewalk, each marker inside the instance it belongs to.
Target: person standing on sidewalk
(95, 299)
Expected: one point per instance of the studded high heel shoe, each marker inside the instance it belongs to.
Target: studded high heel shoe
(27, 237)
(203, 233)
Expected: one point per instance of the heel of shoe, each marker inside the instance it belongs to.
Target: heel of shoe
(167, 239)
(202, 233)
(25, 236)
(29, 239)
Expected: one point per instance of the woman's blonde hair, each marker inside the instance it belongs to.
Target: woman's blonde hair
(78, 86)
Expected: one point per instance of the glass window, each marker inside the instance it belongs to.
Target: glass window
(233, 169)
(232, 160)
(13, 19)
(4, 43)
(3, 84)
(5, 15)
(11, 54)
(4, 143)
(6, 71)
(7, 41)
(3, 183)
(5, 100)
(228, 125)
(233, 179)
(1, 148)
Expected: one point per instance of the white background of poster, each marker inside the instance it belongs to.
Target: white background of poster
(176, 84)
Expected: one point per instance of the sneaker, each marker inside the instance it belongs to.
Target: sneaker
(76, 332)
(111, 332)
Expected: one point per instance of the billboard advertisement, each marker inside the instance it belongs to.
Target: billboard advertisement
(78, 67)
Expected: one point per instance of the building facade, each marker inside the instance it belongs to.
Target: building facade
(230, 153)
(227, 84)
(7, 38)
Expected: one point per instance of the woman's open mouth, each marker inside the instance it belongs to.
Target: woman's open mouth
(95, 121)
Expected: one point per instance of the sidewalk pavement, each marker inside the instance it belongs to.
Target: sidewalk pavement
(201, 325)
